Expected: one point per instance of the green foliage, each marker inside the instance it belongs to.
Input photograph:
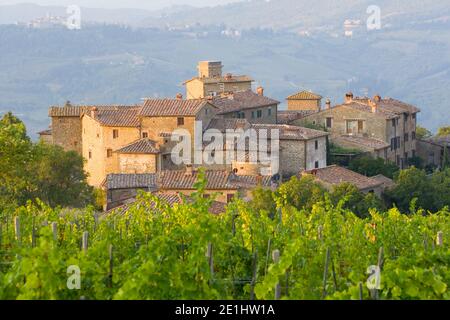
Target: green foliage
(428, 192)
(29, 171)
(159, 252)
(299, 193)
(423, 133)
(444, 131)
(370, 167)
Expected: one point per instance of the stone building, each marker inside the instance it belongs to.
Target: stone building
(211, 82)
(432, 150)
(384, 119)
(333, 176)
(299, 148)
(46, 136)
(254, 107)
(222, 185)
(304, 100)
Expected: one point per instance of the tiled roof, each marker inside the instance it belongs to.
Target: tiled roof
(172, 107)
(441, 140)
(335, 175)
(286, 116)
(387, 182)
(242, 100)
(143, 146)
(47, 132)
(231, 79)
(130, 181)
(388, 107)
(304, 95)
(169, 199)
(286, 132)
(76, 111)
(363, 143)
(119, 117)
(180, 179)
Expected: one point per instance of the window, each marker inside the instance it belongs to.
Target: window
(393, 122)
(109, 153)
(259, 113)
(144, 134)
(90, 154)
(180, 121)
(398, 160)
(316, 144)
(413, 152)
(329, 122)
(230, 197)
(355, 126)
(253, 114)
(406, 155)
(316, 165)
(406, 137)
(314, 122)
(413, 135)
(206, 111)
(115, 134)
(399, 143)
(414, 116)
(206, 196)
(405, 117)
(269, 112)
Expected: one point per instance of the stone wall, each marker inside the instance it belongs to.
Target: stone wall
(137, 163)
(66, 132)
(268, 117)
(295, 105)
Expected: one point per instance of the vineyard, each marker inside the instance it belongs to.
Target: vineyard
(154, 251)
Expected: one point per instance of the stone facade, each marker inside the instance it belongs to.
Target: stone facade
(304, 101)
(67, 133)
(211, 82)
(388, 120)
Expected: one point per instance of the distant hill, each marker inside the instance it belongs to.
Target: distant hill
(111, 64)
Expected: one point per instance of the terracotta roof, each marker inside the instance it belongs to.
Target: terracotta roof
(120, 117)
(143, 146)
(362, 143)
(335, 175)
(231, 79)
(180, 179)
(304, 95)
(387, 182)
(169, 199)
(172, 107)
(242, 100)
(286, 132)
(47, 132)
(76, 111)
(388, 108)
(130, 181)
(287, 116)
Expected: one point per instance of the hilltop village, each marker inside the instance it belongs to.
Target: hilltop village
(129, 147)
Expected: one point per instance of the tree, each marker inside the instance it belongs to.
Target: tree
(370, 167)
(354, 200)
(300, 193)
(262, 200)
(412, 184)
(29, 171)
(423, 133)
(444, 131)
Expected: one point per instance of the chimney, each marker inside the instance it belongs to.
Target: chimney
(328, 104)
(260, 91)
(179, 96)
(94, 112)
(373, 105)
(189, 170)
(68, 104)
(349, 97)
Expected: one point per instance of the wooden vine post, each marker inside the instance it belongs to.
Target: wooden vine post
(440, 239)
(254, 273)
(84, 243)
(111, 265)
(325, 273)
(17, 229)
(209, 255)
(55, 231)
(376, 293)
(276, 259)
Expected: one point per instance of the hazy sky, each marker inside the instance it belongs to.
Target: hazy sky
(142, 4)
